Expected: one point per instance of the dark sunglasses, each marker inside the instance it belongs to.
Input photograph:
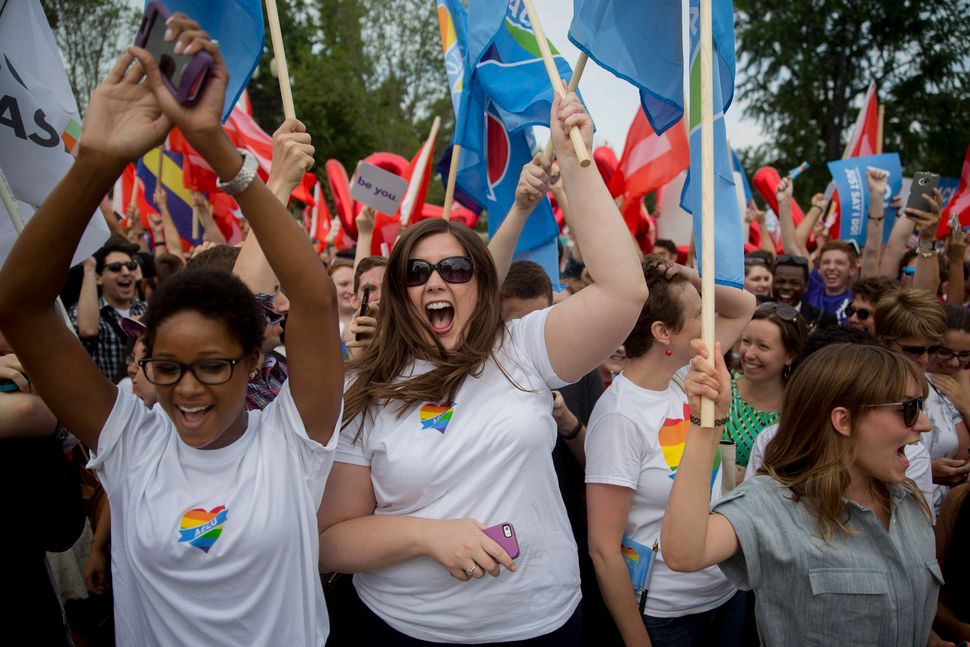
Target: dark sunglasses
(910, 408)
(755, 260)
(917, 351)
(454, 269)
(117, 265)
(787, 259)
(780, 310)
(946, 355)
(862, 313)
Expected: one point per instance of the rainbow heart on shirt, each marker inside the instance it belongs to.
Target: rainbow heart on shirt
(673, 438)
(201, 528)
(435, 416)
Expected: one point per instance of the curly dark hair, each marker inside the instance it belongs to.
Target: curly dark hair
(214, 294)
(663, 305)
(113, 244)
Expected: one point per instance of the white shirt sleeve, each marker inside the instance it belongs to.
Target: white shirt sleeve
(528, 339)
(350, 450)
(920, 471)
(614, 451)
(757, 457)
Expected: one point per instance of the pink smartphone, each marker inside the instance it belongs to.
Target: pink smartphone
(504, 535)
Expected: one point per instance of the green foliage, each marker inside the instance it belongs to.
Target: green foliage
(91, 34)
(806, 66)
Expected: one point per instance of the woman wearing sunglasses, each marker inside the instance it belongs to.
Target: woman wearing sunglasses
(633, 448)
(913, 323)
(448, 431)
(833, 539)
(213, 508)
(769, 344)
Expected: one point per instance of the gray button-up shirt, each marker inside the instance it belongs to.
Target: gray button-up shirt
(871, 587)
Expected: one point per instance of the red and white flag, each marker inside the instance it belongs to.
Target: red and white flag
(959, 204)
(124, 191)
(649, 161)
(864, 139)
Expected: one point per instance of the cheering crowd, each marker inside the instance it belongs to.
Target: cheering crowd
(266, 445)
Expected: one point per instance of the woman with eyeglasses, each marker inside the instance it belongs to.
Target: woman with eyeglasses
(213, 508)
(633, 448)
(913, 323)
(769, 344)
(448, 432)
(836, 543)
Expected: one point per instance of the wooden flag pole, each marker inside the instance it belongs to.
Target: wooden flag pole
(13, 211)
(557, 85)
(411, 194)
(279, 53)
(882, 116)
(707, 197)
(450, 187)
(573, 84)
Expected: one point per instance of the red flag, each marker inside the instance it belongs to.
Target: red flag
(124, 190)
(418, 174)
(304, 190)
(246, 133)
(346, 206)
(224, 210)
(197, 175)
(649, 161)
(316, 216)
(765, 181)
(865, 133)
(959, 204)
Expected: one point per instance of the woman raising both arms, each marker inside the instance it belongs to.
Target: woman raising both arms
(448, 431)
(833, 539)
(213, 508)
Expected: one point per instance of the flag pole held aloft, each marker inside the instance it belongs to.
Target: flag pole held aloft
(450, 188)
(707, 195)
(573, 84)
(276, 34)
(411, 194)
(557, 85)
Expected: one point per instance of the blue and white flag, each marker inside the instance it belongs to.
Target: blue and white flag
(850, 180)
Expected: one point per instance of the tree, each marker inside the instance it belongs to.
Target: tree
(805, 67)
(90, 34)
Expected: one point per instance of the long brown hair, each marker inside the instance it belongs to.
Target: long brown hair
(807, 454)
(403, 333)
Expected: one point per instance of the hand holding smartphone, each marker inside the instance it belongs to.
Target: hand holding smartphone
(923, 185)
(503, 534)
(364, 304)
(185, 76)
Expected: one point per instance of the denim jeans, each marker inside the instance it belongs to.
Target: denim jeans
(722, 626)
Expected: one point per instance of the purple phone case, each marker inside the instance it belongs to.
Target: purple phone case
(195, 73)
(504, 538)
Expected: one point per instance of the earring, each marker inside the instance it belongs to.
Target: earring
(668, 352)
(252, 374)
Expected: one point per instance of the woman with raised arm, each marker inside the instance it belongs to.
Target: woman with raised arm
(834, 540)
(448, 431)
(213, 508)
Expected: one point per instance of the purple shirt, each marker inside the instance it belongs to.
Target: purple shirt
(817, 297)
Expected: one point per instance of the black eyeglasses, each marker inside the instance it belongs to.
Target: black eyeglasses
(454, 269)
(910, 408)
(117, 265)
(946, 355)
(918, 351)
(862, 313)
(788, 259)
(211, 372)
(782, 311)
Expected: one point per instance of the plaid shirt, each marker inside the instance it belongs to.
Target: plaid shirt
(264, 388)
(108, 348)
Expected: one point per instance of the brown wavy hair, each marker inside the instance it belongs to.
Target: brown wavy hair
(807, 454)
(403, 333)
(664, 305)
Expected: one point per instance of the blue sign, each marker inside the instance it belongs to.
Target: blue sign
(850, 180)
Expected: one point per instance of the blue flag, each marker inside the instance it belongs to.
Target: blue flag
(728, 231)
(850, 179)
(238, 26)
(641, 42)
(506, 62)
(748, 196)
(178, 198)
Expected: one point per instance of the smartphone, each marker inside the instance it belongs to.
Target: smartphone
(504, 535)
(8, 386)
(185, 76)
(923, 185)
(363, 306)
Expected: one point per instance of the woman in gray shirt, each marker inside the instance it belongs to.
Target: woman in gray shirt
(833, 538)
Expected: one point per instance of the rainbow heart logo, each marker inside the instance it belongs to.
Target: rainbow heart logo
(201, 528)
(434, 416)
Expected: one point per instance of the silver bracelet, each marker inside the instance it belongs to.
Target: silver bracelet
(243, 178)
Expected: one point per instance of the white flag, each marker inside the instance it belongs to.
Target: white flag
(38, 118)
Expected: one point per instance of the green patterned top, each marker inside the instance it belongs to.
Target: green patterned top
(744, 423)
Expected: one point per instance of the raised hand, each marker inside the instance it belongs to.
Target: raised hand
(124, 119)
(566, 113)
(784, 190)
(877, 180)
(292, 156)
(365, 221)
(533, 182)
(706, 381)
(927, 220)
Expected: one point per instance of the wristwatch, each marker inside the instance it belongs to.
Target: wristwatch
(243, 178)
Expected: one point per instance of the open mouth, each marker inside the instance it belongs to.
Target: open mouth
(192, 417)
(441, 316)
(786, 297)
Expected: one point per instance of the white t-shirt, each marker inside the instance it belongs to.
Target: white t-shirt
(942, 440)
(487, 456)
(920, 470)
(635, 439)
(219, 546)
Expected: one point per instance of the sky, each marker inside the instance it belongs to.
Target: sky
(613, 102)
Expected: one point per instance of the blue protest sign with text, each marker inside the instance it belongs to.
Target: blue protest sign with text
(850, 180)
